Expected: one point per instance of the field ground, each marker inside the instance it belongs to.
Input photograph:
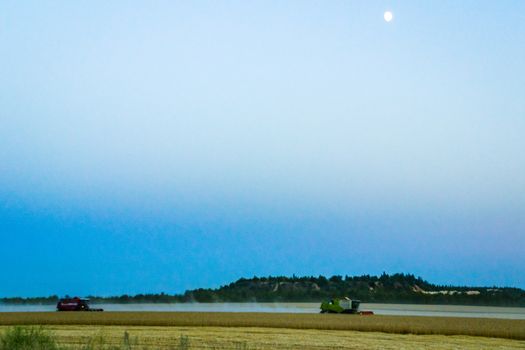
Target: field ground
(251, 338)
(160, 330)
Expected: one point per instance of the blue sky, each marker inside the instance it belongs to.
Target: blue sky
(161, 146)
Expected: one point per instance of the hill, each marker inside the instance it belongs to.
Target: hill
(396, 288)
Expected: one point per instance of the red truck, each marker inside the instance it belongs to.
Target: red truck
(75, 304)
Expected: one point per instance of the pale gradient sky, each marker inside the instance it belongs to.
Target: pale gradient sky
(166, 145)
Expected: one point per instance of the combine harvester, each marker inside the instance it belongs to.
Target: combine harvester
(343, 306)
(75, 304)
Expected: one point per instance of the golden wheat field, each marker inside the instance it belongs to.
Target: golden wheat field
(258, 338)
(494, 328)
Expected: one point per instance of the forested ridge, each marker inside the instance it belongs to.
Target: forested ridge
(395, 288)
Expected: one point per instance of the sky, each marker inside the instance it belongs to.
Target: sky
(160, 146)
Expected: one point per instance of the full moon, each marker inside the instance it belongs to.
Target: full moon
(388, 16)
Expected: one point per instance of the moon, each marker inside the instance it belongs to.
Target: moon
(388, 16)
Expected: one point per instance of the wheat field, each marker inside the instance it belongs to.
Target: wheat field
(257, 338)
(494, 328)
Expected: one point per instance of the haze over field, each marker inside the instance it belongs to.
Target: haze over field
(165, 146)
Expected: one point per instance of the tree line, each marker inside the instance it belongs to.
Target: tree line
(395, 288)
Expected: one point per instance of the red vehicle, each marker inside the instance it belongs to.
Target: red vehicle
(74, 304)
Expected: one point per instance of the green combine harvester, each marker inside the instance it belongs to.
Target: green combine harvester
(343, 306)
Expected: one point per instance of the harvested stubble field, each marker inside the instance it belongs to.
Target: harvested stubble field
(494, 328)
